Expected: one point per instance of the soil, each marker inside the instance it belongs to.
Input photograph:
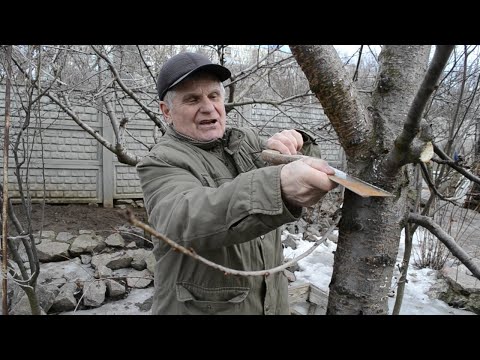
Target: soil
(74, 217)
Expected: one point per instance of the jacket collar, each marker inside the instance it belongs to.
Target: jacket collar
(207, 145)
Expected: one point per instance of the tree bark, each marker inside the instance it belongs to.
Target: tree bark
(369, 231)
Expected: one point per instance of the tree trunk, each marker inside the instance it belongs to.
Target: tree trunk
(369, 231)
(33, 300)
(473, 197)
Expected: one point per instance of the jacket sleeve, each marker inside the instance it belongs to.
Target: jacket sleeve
(310, 146)
(194, 215)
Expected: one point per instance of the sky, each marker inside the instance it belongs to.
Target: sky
(346, 49)
(317, 269)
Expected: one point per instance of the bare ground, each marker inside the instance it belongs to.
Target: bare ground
(463, 224)
(75, 217)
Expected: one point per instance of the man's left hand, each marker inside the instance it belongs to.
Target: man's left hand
(286, 142)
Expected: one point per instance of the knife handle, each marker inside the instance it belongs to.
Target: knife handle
(276, 158)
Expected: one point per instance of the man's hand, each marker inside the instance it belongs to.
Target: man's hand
(304, 182)
(286, 142)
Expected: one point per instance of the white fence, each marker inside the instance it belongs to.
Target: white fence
(74, 168)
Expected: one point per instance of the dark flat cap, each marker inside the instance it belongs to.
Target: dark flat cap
(178, 67)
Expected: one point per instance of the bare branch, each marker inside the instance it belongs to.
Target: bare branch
(130, 93)
(432, 187)
(256, 67)
(123, 155)
(138, 140)
(190, 252)
(450, 162)
(397, 157)
(447, 240)
(453, 127)
(403, 270)
(420, 152)
(338, 95)
(146, 65)
(25, 278)
(6, 145)
(355, 75)
(273, 103)
(113, 119)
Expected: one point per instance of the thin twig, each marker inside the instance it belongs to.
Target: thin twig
(403, 270)
(190, 252)
(429, 224)
(6, 145)
(355, 75)
(114, 71)
(432, 186)
(146, 65)
(450, 162)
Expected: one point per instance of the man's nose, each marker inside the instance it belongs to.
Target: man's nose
(207, 105)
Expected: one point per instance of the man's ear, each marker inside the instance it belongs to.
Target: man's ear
(165, 111)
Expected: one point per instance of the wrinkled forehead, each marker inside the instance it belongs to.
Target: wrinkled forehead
(199, 80)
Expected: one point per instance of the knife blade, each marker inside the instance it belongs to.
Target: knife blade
(352, 183)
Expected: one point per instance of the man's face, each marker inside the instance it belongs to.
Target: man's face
(198, 109)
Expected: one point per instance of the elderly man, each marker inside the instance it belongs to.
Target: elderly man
(206, 188)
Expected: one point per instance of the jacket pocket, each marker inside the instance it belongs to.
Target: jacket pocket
(204, 300)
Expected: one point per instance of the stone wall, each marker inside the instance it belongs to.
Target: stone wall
(78, 169)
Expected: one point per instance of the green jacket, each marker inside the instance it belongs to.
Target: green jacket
(220, 199)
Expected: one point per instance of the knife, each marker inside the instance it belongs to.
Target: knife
(358, 186)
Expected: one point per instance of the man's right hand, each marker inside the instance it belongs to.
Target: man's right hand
(304, 182)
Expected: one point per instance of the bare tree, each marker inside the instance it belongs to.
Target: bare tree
(111, 78)
(451, 177)
(115, 77)
(21, 240)
(378, 139)
(381, 134)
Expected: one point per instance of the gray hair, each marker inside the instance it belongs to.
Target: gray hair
(168, 98)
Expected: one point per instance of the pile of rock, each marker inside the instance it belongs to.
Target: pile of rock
(463, 290)
(87, 270)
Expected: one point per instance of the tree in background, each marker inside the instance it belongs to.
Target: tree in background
(381, 134)
(23, 263)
